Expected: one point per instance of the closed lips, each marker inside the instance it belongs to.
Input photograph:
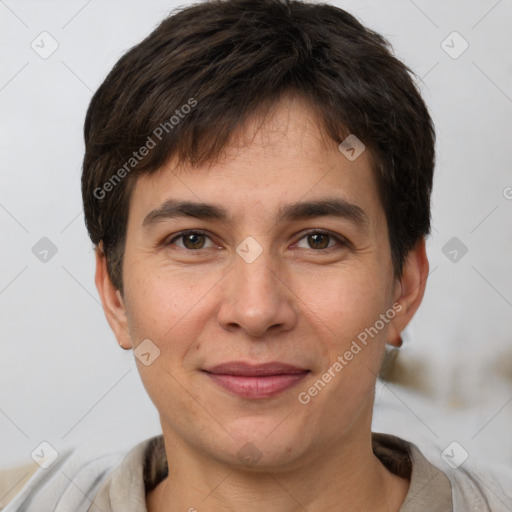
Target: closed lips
(261, 370)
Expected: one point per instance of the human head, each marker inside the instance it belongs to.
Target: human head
(205, 69)
(268, 168)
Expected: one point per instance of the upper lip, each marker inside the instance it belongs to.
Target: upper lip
(252, 370)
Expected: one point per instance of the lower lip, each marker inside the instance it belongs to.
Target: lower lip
(257, 387)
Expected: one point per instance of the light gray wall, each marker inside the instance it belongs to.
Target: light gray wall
(64, 379)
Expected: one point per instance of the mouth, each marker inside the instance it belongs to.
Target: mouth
(256, 381)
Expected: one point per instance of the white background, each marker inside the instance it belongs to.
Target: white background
(64, 379)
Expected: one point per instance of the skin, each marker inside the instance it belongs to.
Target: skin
(296, 303)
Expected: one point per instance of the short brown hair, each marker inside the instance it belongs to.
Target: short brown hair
(224, 59)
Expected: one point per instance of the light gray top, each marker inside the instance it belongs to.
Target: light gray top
(83, 481)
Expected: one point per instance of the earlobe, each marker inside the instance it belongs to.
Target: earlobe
(410, 291)
(112, 301)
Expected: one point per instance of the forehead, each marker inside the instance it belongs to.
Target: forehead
(272, 162)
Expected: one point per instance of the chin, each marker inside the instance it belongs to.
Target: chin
(265, 443)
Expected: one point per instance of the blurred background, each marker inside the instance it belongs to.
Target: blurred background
(64, 378)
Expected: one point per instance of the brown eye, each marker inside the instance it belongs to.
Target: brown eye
(192, 240)
(318, 240)
(321, 240)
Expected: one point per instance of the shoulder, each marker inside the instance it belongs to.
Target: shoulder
(473, 486)
(69, 482)
(482, 488)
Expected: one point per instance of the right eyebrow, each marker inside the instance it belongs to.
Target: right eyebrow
(172, 208)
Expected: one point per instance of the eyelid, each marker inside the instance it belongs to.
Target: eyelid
(342, 241)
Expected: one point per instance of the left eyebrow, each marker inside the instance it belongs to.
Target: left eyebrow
(325, 208)
(335, 207)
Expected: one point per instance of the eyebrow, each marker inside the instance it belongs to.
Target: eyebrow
(335, 207)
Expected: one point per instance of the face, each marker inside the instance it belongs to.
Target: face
(281, 257)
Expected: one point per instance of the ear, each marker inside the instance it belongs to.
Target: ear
(112, 301)
(409, 291)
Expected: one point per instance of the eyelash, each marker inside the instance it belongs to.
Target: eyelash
(343, 242)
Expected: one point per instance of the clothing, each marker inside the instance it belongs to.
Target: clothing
(86, 482)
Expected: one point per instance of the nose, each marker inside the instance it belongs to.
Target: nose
(257, 298)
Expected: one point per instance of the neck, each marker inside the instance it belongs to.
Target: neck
(348, 477)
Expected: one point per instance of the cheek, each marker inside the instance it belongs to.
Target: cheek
(348, 301)
(169, 308)
(166, 306)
